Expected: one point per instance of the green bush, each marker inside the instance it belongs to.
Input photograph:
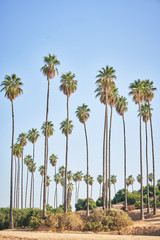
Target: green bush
(99, 202)
(35, 222)
(59, 209)
(82, 204)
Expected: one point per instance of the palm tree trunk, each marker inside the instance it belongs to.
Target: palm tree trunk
(104, 140)
(41, 192)
(56, 189)
(66, 165)
(26, 190)
(18, 182)
(125, 164)
(85, 130)
(110, 159)
(15, 183)
(147, 167)
(22, 183)
(33, 174)
(11, 183)
(153, 162)
(48, 196)
(31, 191)
(45, 155)
(106, 118)
(141, 167)
(78, 189)
(115, 189)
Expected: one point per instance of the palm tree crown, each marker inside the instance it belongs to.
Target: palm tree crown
(82, 113)
(53, 159)
(50, 68)
(105, 77)
(50, 130)
(138, 91)
(41, 170)
(33, 135)
(63, 127)
(22, 139)
(121, 106)
(68, 83)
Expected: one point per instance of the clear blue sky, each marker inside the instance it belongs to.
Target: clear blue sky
(85, 36)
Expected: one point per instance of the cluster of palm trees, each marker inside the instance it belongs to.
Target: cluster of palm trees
(106, 90)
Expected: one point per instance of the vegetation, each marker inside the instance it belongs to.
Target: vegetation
(82, 204)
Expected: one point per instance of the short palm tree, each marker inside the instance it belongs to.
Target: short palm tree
(27, 160)
(121, 108)
(12, 86)
(149, 95)
(32, 169)
(63, 186)
(104, 81)
(138, 93)
(80, 178)
(49, 69)
(91, 180)
(113, 181)
(82, 113)
(150, 177)
(57, 179)
(22, 139)
(100, 181)
(68, 86)
(41, 171)
(33, 135)
(131, 181)
(69, 193)
(75, 179)
(69, 175)
(47, 185)
(139, 178)
(62, 171)
(53, 160)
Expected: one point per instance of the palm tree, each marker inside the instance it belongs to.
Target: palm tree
(82, 113)
(12, 87)
(127, 183)
(131, 181)
(33, 135)
(27, 160)
(80, 177)
(112, 101)
(69, 193)
(69, 175)
(62, 171)
(91, 180)
(75, 179)
(150, 177)
(41, 171)
(137, 91)
(32, 169)
(22, 139)
(47, 185)
(100, 181)
(104, 81)
(121, 108)
(49, 70)
(146, 111)
(53, 160)
(68, 86)
(18, 151)
(113, 181)
(149, 89)
(63, 186)
(57, 179)
(15, 179)
(139, 178)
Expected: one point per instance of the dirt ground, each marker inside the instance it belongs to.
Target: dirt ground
(147, 229)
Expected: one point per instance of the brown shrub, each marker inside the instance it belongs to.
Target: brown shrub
(52, 222)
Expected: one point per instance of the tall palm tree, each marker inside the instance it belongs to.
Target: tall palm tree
(150, 177)
(68, 86)
(69, 175)
(15, 178)
(112, 101)
(82, 113)
(138, 93)
(75, 179)
(80, 177)
(41, 171)
(53, 160)
(146, 111)
(121, 108)
(22, 139)
(100, 181)
(63, 186)
(91, 180)
(149, 95)
(113, 181)
(57, 179)
(62, 171)
(27, 160)
(32, 169)
(131, 181)
(104, 81)
(33, 135)
(69, 193)
(49, 69)
(12, 86)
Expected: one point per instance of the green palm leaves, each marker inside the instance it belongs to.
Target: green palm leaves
(53, 160)
(50, 68)
(63, 127)
(33, 135)
(12, 87)
(68, 84)
(121, 106)
(82, 113)
(22, 139)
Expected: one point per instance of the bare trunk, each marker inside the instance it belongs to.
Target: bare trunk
(31, 190)
(85, 130)
(11, 183)
(141, 166)
(106, 153)
(45, 155)
(22, 183)
(125, 164)
(26, 190)
(147, 167)
(110, 159)
(33, 174)
(41, 192)
(56, 190)
(48, 196)
(15, 182)
(115, 189)
(153, 162)
(66, 165)
(18, 182)
(104, 140)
